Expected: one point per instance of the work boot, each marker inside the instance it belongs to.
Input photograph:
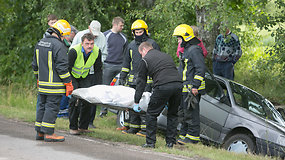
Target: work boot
(40, 136)
(185, 141)
(130, 131)
(141, 133)
(148, 145)
(122, 128)
(53, 138)
(74, 132)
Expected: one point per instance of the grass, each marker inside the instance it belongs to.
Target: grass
(20, 104)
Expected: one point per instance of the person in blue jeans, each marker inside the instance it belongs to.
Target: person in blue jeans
(116, 45)
(226, 53)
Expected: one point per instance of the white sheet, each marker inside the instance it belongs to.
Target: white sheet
(112, 95)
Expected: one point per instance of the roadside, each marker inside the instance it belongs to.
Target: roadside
(17, 141)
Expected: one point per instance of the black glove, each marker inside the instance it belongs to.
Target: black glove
(192, 101)
(122, 82)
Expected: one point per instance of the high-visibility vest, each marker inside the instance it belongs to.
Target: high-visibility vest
(80, 68)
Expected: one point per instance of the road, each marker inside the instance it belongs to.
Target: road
(17, 141)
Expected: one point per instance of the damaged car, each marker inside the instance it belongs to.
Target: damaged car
(236, 118)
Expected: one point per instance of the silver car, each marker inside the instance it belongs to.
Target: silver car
(236, 118)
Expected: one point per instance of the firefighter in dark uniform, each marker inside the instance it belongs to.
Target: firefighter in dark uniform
(167, 88)
(192, 69)
(130, 65)
(51, 70)
(82, 58)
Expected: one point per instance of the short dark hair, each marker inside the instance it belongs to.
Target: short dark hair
(117, 20)
(51, 17)
(88, 36)
(146, 45)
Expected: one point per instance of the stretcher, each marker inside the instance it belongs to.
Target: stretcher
(114, 97)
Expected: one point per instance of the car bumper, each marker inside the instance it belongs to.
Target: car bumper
(269, 148)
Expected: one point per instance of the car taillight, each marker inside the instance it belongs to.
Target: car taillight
(113, 82)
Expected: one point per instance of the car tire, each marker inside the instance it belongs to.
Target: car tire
(120, 119)
(240, 143)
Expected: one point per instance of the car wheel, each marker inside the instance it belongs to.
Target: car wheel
(240, 143)
(120, 118)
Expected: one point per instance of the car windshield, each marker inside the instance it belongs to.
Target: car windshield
(255, 103)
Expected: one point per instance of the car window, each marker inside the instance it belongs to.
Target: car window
(213, 90)
(250, 100)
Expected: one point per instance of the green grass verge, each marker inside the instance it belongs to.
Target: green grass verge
(20, 104)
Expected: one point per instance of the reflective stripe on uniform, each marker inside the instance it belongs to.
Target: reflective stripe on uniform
(126, 124)
(134, 126)
(64, 75)
(143, 126)
(202, 86)
(50, 79)
(131, 63)
(38, 124)
(181, 137)
(36, 72)
(199, 78)
(149, 80)
(193, 137)
(48, 125)
(125, 70)
(44, 90)
(187, 87)
(185, 70)
(58, 84)
(37, 55)
(131, 78)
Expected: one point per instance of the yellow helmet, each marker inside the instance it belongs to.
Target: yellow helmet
(185, 31)
(140, 24)
(62, 26)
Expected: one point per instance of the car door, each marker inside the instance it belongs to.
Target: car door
(213, 110)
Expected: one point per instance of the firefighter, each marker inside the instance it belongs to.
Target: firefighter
(192, 69)
(130, 65)
(50, 65)
(167, 87)
(85, 66)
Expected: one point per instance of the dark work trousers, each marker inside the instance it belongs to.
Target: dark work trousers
(137, 121)
(171, 93)
(109, 72)
(191, 117)
(47, 113)
(79, 110)
(92, 114)
(224, 69)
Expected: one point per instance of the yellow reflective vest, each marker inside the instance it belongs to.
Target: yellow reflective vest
(80, 68)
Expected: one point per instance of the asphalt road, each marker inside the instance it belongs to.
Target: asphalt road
(17, 142)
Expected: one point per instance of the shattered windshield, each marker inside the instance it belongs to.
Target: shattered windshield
(255, 103)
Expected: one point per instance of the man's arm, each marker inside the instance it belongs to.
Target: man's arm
(126, 64)
(104, 48)
(35, 63)
(141, 81)
(199, 65)
(61, 64)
